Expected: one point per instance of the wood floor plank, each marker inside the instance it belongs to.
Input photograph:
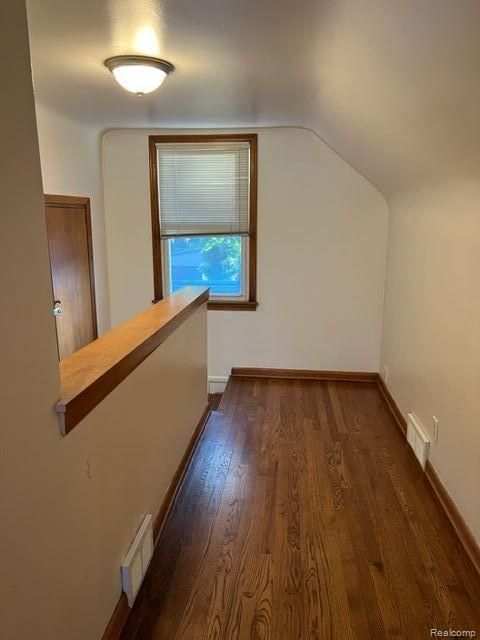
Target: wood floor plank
(304, 515)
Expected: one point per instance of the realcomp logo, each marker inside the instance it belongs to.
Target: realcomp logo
(452, 633)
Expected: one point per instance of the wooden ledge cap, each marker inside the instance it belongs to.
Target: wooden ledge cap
(90, 374)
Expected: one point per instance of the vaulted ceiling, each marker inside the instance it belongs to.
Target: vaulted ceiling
(392, 85)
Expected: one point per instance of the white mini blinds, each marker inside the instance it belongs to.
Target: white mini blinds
(204, 188)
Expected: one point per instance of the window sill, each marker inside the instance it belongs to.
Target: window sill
(224, 305)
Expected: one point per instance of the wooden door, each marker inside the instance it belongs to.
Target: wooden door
(71, 261)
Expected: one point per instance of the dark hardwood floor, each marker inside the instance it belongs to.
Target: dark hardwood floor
(214, 400)
(304, 514)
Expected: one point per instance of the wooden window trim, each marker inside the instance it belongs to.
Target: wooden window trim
(252, 138)
(82, 203)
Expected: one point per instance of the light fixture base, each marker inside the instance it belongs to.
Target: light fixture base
(118, 61)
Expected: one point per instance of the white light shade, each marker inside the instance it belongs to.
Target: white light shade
(139, 78)
(139, 74)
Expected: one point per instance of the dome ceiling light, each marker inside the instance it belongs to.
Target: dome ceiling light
(139, 74)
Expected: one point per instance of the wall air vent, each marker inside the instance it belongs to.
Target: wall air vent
(137, 559)
(418, 439)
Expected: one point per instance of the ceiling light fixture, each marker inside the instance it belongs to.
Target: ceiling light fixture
(139, 74)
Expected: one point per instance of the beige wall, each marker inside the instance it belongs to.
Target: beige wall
(77, 501)
(70, 159)
(70, 506)
(322, 231)
(431, 336)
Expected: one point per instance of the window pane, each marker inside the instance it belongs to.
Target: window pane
(214, 261)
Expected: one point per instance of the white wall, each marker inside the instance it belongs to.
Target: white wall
(322, 232)
(70, 159)
(431, 336)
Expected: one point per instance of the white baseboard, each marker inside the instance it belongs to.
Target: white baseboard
(217, 384)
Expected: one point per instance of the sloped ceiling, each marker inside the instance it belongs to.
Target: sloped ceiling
(392, 85)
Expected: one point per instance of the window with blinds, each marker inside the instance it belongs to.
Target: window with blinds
(204, 188)
(204, 216)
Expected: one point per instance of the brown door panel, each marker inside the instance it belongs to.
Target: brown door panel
(69, 241)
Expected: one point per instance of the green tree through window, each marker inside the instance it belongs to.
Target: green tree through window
(222, 252)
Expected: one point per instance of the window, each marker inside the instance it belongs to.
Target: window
(204, 201)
